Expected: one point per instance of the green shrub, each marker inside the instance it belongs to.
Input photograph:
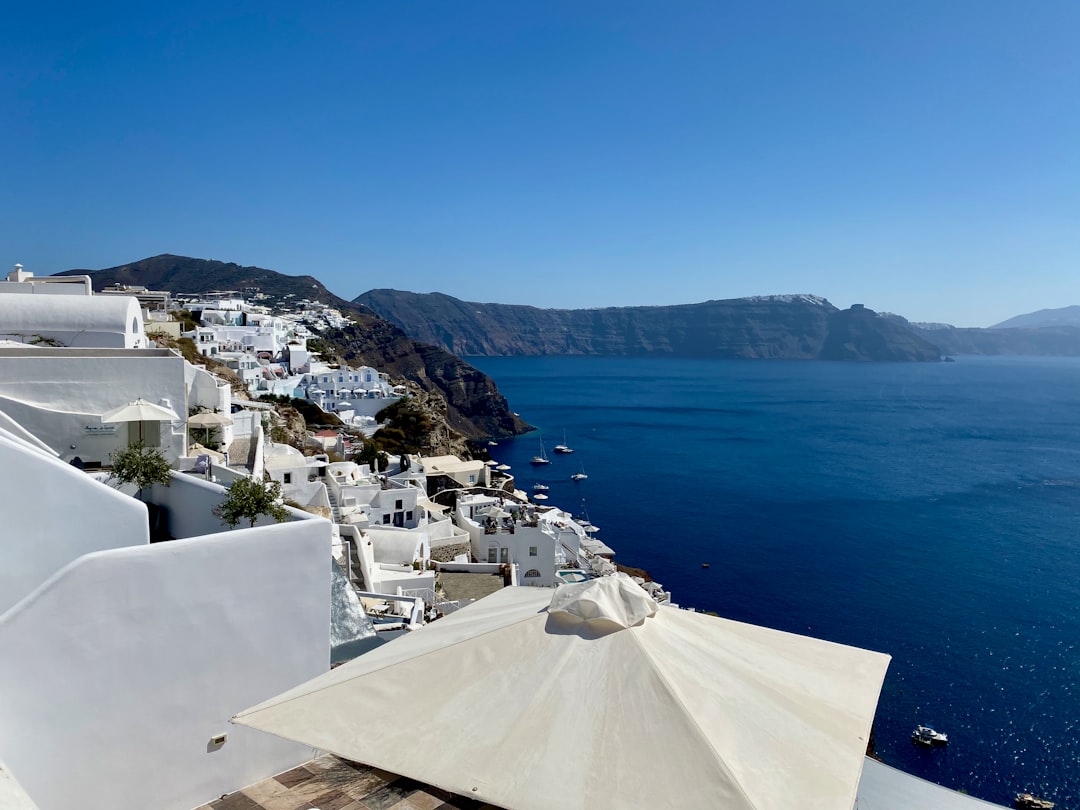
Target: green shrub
(248, 499)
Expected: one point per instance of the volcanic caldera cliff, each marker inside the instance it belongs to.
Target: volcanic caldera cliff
(794, 327)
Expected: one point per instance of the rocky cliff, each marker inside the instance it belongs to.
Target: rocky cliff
(474, 406)
(1050, 341)
(800, 327)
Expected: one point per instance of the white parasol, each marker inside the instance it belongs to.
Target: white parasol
(140, 410)
(618, 702)
(208, 421)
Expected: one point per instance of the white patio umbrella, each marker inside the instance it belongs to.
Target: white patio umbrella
(491, 463)
(503, 467)
(209, 420)
(140, 410)
(598, 700)
(540, 496)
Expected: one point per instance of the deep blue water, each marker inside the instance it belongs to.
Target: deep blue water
(929, 511)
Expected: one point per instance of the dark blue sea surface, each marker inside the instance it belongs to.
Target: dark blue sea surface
(929, 511)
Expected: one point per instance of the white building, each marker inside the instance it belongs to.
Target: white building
(539, 541)
(77, 321)
(124, 660)
(349, 392)
(473, 473)
(59, 395)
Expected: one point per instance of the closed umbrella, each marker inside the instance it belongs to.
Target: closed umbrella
(597, 690)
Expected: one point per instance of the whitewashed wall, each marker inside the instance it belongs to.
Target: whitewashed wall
(117, 673)
(52, 514)
(56, 393)
(189, 501)
(79, 321)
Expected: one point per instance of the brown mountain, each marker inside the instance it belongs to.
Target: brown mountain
(474, 406)
(798, 327)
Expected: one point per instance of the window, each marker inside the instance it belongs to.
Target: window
(532, 551)
(399, 504)
(532, 572)
(408, 515)
(287, 478)
(386, 520)
(472, 479)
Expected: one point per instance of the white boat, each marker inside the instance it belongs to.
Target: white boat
(540, 487)
(493, 444)
(563, 448)
(924, 735)
(579, 476)
(542, 458)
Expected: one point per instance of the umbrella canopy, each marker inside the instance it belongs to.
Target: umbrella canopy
(197, 449)
(491, 463)
(540, 496)
(503, 467)
(604, 699)
(139, 411)
(208, 420)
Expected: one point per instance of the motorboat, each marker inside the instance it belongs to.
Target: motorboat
(579, 476)
(1025, 801)
(563, 448)
(540, 487)
(493, 444)
(924, 735)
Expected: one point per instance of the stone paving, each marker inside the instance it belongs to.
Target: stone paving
(330, 783)
(457, 585)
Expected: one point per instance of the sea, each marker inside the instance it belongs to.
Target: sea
(928, 511)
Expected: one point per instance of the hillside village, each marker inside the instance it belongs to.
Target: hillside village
(214, 386)
(204, 510)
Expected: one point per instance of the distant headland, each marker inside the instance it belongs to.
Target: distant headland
(776, 327)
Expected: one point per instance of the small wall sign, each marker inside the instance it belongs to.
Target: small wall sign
(99, 430)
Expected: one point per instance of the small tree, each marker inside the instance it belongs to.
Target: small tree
(370, 454)
(140, 465)
(248, 499)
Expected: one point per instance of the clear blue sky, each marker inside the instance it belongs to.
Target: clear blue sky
(918, 157)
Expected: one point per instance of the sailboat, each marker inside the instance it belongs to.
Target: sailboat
(542, 458)
(579, 476)
(563, 448)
